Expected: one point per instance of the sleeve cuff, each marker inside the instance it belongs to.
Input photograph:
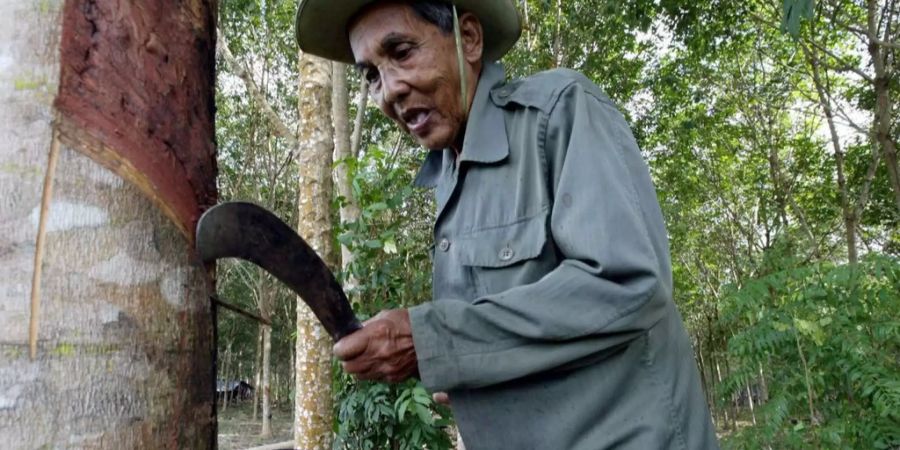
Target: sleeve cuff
(435, 369)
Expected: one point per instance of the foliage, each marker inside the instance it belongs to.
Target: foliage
(383, 416)
(828, 329)
(389, 242)
(389, 239)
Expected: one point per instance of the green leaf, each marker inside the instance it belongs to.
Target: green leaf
(346, 238)
(793, 12)
(424, 414)
(779, 326)
(401, 411)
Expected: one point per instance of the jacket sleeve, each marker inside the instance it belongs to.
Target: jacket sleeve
(609, 287)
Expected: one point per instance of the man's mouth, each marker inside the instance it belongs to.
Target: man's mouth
(416, 119)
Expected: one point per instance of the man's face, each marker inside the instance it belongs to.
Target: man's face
(412, 71)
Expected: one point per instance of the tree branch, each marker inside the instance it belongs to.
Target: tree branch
(844, 68)
(355, 138)
(241, 71)
(867, 185)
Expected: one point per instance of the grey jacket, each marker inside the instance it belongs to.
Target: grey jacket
(553, 325)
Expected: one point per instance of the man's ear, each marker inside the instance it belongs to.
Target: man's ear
(472, 37)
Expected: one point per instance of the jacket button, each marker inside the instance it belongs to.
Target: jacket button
(506, 254)
(444, 245)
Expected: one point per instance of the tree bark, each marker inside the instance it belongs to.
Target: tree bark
(124, 351)
(764, 386)
(810, 397)
(258, 95)
(266, 428)
(750, 401)
(349, 210)
(731, 404)
(557, 40)
(225, 367)
(266, 298)
(712, 364)
(701, 363)
(848, 212)
(356, 137)
(883, 104)
(257, 386)
(312, 405)
(724, 420)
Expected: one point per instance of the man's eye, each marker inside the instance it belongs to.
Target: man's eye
(403, 51)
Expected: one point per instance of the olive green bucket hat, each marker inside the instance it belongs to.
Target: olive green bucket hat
(322, 26)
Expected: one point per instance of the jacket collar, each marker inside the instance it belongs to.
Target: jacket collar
(485, 141)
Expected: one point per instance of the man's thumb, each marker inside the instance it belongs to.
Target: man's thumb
(350, 346)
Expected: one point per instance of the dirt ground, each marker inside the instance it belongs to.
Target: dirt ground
(237, 430)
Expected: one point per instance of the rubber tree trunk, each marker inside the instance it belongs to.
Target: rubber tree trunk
(266, 428)
(266, 300)
(850, 216)
(884, 72)
(349, 210)
(312, 405)
(257, 386)
(120, 96)
(226, 366)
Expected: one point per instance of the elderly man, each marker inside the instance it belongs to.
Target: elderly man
(552, 324)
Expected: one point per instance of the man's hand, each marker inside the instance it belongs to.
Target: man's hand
(441, 398)
(382, 350)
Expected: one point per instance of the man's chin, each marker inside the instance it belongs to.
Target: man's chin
(432, 144)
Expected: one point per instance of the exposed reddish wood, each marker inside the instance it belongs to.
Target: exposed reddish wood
(140, 81)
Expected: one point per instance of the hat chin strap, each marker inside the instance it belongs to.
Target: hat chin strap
(461, 62)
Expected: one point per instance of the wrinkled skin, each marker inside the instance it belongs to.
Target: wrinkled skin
(412, 69)
(414, 78)
(382, 350)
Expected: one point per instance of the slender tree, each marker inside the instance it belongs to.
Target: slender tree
(313, 405)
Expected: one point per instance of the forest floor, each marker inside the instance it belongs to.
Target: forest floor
(238, 430)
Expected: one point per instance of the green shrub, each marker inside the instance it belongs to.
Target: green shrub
(391, 267)
(832, 330)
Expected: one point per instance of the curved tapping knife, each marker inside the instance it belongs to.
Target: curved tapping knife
(249, 232)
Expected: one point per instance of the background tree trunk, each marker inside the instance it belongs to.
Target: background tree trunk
(884, 71)
(824, 97)
(266, 429)
(226, 366)
(124, 354)
(349, 211)
(257, 363)
(312, 406)
(346, 147)
(266, 300)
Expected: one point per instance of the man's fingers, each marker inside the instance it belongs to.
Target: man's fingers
(351, 346)
(382, 350)
(441, 398)
(357, 367)
(373, 318)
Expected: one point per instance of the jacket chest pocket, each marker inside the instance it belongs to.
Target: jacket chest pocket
(506, 256)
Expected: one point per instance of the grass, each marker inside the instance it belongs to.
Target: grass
(238, 430)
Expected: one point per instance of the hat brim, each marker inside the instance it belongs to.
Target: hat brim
(321, 26)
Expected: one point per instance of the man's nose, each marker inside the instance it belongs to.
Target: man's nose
(394, 87)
